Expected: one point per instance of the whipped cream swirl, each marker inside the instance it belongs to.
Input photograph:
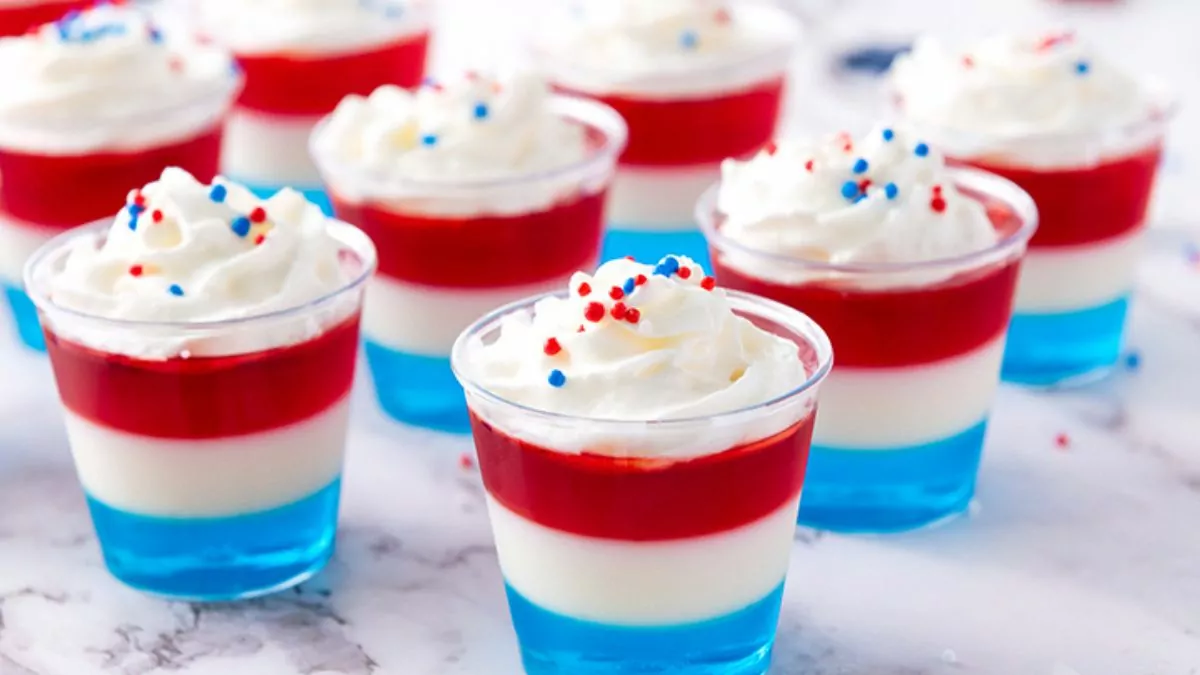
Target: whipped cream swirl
(885, 198)
(667, 47)
(657, 343)
(309, 26)
(108, 78)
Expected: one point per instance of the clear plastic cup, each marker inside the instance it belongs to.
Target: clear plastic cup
(210, 452)
(645, 546)
(450, 252)
(1092, 192)
(904, 413)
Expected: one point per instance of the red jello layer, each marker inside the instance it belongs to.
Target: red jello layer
(682, 132)
(643, 499)
(1086, 205)
(69, 190)
(313, 84)
(482, 251)
(208, 397)
(17, 19)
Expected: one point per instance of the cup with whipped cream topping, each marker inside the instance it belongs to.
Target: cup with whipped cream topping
(477, 192)
(911, 268)
(696, 80)
(204, 344)
(301, 58)
(95, 104)
(18, 16)
(642, 438)
(1084, 139)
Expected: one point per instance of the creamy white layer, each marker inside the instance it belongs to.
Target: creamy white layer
(658, 198)
(210, 477)
(1067, 279)
(272, 150)
(885, 408)
(660, 583)
(18, 241)
(426, 320)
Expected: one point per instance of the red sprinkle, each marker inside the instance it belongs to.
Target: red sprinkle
(633, 315)
(156, 216)
(258, 215)
(864, 184)
(580, 329)
(175, 64)
(770, 148)
(136, 270)
(619, 310)
(968, 62)
(937, 189)
(1062, 440)
(584, 290)
(639, 280)
(139, 199)
(684, 272)
(552, 347)
(937, 204)
(808, 166)
(594, 312)
(465, 461)
(260, 239)
(630, 258)
(616, 293)
(722, 15)
(708, 283)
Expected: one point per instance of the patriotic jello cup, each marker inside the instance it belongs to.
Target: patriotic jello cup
(695, 81)
(911, 268)
(204, 346)
(1085, 141)
(94, 105)
(476, 193)
(643, 475)
(300, 60)
(18, 16)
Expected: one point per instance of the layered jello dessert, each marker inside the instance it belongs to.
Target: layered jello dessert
(95, 103)
(204, 343)
(477, 192)
(301, 58)
(1084, 139)
(911, 268)
(696, 80)
(642, 437)
(18, 16)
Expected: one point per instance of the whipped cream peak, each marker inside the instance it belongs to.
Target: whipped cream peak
(473, 128)
(1015, 85)
(636, 342)
(184, 252)
(883, 198)
(322, 26)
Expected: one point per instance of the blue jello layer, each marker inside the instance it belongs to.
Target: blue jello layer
(649, 246)
(1064, 348)
(891, 490)
(735, 644)
(315, 195)
(219, 558)
(25, 317)
(418, 390)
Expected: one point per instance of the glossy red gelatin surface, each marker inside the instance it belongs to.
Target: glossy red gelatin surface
(482, 251)
(1089, 204)
(66, 191)
(17, 19)
(689, 131)
(643, 499)
(303, 84)
(206, 397)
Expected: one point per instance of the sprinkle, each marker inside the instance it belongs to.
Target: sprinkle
(241, 226)
(218, 193)
(808, 166)
(136, 208)
(557, 379)
(176, 290)
(258, 214)
(155, 35)
(863, 185)
(429, 140)
(722, 16)
(616, 293)
(1062, 440)
(619, 310)
(481, 111)
(431, 83)
(849, 189)
(260, 239)
(968, 62)
(1082, 67)
(888, 135)
(630, 284)
(688, 39)
(594, 312)
(465, 462)
(937, 204)
(860, 165)
(551, 347)
(136, 270)
(584, 289)
(708, 283)
(921, 150)
(471, 75)
(667, 267)
(891, 190)
(770, 148)
(685, 272)
(156, 216)
(630, 258)
(175, 63)
(1133, 361)
(937, 190)
(580, 329)
(133, 219)
(633, 315)
(639, 279)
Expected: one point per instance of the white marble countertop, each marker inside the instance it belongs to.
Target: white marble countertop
(1083, 560)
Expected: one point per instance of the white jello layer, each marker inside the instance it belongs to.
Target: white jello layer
(884, 408)
(210, 477)
(643, 583)
(18, 241)
(1068, 279)
(426, 320)
(658, 198)
(264, 149)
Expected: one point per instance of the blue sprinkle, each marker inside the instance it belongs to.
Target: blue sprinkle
(481, 111)
(891, 190)
(217, 193)
(888, 135)
(860, 197)
(557, 379)
(241, 226)
(1082, 67)
(133, 221)
(1133, 360)
(669, 265)
(688, 39)
(921, 150)
(428, 82)
(176, 290)
(135, 210)
(861, 165)
(155, 35)
(849, 189)
(630, 284)
(429, 140)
